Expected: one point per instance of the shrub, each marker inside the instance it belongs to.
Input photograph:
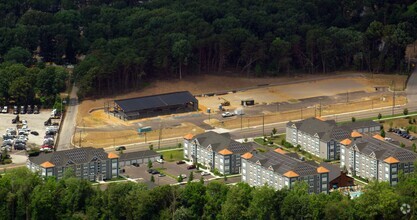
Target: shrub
(353, 119)
(405, 111)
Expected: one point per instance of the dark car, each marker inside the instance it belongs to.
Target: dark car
(180, 162)
(22, 110)
(47, 122)
(20, 146)
(14, 121)
(135, 164)
(190, 167)
(150, 170)
(34, 133)
(120, 148)
(29, 110)
(155, 172)
(35, 109)
(15, 110)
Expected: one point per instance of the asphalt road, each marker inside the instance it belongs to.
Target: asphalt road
(69, 123)
(412, 87)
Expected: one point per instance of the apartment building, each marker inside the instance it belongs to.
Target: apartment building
(215, 151)
(372, 157)
(87, 163)
(279, 169)
(322, 138)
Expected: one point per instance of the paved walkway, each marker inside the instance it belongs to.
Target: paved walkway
(69, 123)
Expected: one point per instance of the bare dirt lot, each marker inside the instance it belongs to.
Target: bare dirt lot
(113, 138)
(291, 90)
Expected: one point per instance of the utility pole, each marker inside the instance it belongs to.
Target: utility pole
(393, 99)
(160, 136)
(301, 109)
(241, 122)
(80, 138)
(320, 108)
(347, 96)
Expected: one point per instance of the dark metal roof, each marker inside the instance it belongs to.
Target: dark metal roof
(155, 101)
(219, 142)
(73, 156)
(138, 155)
(382, 149)
(334, 171)
(282, 163)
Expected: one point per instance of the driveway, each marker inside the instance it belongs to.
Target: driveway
(68, 125)
(412, 87)
(142, 173)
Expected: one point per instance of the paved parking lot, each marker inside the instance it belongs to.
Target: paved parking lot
(142, 173)
(400, 139)
(169, 168)
(35, 123)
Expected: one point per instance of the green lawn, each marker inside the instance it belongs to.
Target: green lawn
(173, 155)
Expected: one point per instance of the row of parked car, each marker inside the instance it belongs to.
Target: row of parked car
(403, 133)
(22, 110)
(17, 138)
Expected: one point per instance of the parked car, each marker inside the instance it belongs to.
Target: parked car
(161, 175)
(205, 173)
(190, 167)
(14, 121)
(160, 160)
(34, 133)
(29, 110)
(15, 110)
(25, 122)
(47, 122)
(182, 175)
(5, 109)
(135, 164)
(22, 110)
(411, 138)
(180, 162)
(227, 114)
(120, 148)
(35, 109)
(155, 172)
(20, 146)
(150, 170)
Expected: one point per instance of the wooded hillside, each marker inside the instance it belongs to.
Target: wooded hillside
(125, 40)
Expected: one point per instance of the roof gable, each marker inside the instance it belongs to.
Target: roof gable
(322, 169)
(291, 174)
(248, 155)
(225, 152)
(112, 156)
(47, 164)
(391, 160)
(188, 137)
(346, 142)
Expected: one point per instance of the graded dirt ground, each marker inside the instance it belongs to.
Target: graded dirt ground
(114, 138)
(248, 121)
(88, 117)
(213, 83)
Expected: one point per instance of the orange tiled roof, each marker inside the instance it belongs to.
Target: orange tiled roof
(247, 155)
(346, 142)
(112, 156)
(391, 160)
(280, 151)
(355, 134)
(291, 174)
(47, 164)
(225, 152)
(188, 136)
(320, 118)
(379, 137)
(322, 170)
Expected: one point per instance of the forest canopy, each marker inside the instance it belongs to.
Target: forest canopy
(25, 195)
(118, 42)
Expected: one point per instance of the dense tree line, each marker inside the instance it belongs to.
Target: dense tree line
(124, 40)
(21, 85)
(26, 196)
